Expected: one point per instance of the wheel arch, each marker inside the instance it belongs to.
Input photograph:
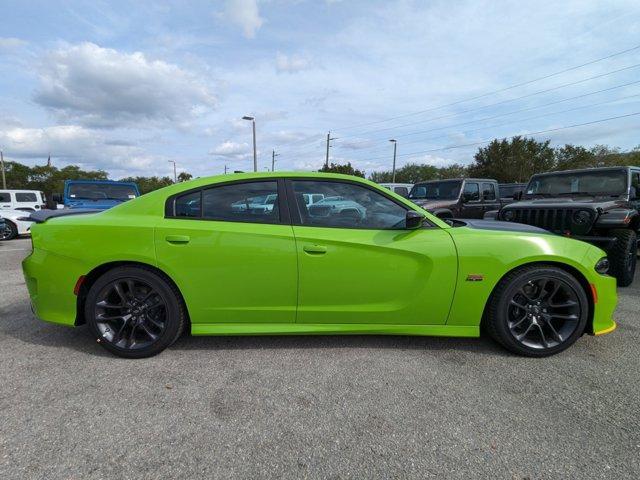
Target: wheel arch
(100, 270)
(563, 266)
(443, 213)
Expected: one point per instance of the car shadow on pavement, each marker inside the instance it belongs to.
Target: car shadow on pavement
(17, 321)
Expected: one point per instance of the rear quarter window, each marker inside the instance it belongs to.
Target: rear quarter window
(5, 197)
(26, 197)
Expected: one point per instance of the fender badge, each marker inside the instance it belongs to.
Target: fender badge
(475, 278)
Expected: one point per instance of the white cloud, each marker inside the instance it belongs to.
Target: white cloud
(101, 87)
(11, 43)
(233, 150)
(245, 14)
(291, 63)
(73, 143)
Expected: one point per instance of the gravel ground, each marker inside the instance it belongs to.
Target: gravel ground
(312, 407)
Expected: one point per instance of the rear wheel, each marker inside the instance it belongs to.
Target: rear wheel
(134, 312)
(9, 231)
(537, 311)
(623, 256)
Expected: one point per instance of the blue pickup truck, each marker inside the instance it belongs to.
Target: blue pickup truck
(96, 194)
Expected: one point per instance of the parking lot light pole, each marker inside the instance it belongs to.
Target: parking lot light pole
(273, 160)
(255, 153)
(393, 172)
(175, 176)
(4, 180)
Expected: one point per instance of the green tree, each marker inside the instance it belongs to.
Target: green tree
(346, 169)
(415, 172)
(574, 156)
(513, 160)
(149, 184)
(184, 176)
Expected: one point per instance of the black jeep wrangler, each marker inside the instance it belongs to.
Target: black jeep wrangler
(597, 205)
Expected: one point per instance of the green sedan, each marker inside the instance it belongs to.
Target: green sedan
(187, 258)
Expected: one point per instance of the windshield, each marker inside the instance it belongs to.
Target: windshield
(594, 182)
(445, 190)
(101, 191)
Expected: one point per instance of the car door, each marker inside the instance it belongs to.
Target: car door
(232, 265)
(471, 201)
(358, 264)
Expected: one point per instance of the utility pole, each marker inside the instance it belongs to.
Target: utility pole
(326, 161)
(225, 168)
(255, 152)
(393, 171)
(4, 180)
(273, 159)
(175, 175)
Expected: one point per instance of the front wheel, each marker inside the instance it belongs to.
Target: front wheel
(134, 312)
(537, 311)
(623, 256)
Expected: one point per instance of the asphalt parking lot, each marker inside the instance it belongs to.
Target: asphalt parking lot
(312, 407)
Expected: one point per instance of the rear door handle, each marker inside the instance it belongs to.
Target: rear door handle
(177, 238)
(315, 249)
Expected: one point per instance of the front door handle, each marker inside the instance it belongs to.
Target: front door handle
(315, 249)
(177, 238)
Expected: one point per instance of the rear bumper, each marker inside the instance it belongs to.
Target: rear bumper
(50, 280)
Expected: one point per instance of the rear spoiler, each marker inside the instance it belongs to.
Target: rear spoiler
(44, 215)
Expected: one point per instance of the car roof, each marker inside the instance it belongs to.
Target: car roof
(459, 179)
(578, 170)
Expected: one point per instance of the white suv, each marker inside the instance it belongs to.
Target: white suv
(27, 200)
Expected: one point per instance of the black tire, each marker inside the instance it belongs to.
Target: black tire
(134, 312)
(548, 332)
(623, 256)
(9, 232)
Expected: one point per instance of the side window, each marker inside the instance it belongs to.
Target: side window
(471, 192)
(347, 205)
(404, 191)
(635, 182)
(26, 197)
(488, 191)
(5, 197)
(242, 202)
(188, 205)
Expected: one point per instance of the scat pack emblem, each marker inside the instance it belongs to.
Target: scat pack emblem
(474, 277)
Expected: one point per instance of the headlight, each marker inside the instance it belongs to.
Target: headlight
(581, 217)
(602, 266)
(508, 215)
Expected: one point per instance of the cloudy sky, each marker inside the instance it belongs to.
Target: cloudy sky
(128, 88)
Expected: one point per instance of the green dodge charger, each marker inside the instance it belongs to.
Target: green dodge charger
(309, 253)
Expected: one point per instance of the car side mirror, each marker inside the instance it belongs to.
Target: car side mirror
(57, 197)
(414, 220)
(517, 196)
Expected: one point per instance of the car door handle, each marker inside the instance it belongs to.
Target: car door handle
(315, 249)
(177, 238)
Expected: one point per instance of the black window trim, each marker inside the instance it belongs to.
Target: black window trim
(295, 213)
(285, 217)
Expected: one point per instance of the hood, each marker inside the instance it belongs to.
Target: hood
(435, 204)
(498, 225)
(568, 202)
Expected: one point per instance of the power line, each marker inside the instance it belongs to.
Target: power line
(558, 87)
(510, 87)
(484, 119)
(513, 136)
(303, 149)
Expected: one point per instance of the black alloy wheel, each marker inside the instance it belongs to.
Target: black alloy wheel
(537, 311)
(134, 312)
(130, 314)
